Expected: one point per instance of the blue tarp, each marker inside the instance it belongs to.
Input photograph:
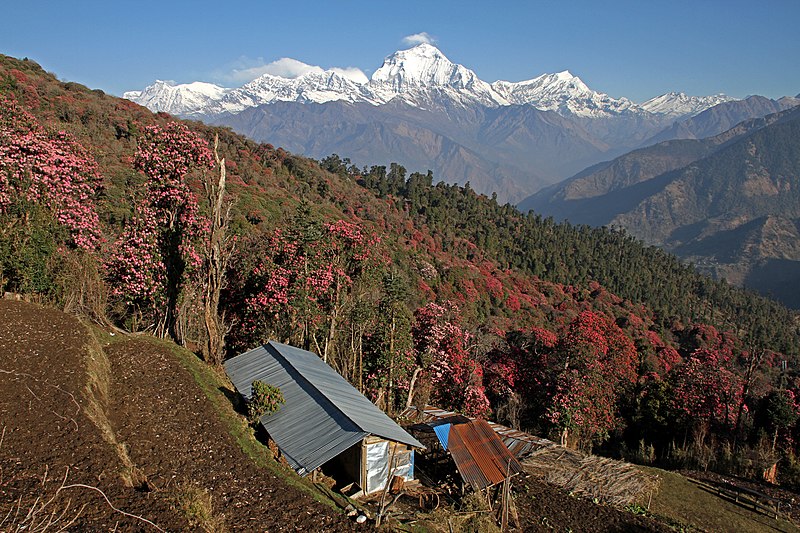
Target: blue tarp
(443, 433)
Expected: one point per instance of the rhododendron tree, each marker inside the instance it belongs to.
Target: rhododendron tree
(517, 375)
(705, 389)
(442, 346)
(296, 290)
(48, 189)
(594, 363)
(157, 249)
(572, 382)
(51, 170)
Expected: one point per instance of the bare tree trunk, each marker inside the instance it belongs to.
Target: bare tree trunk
(390, 383)
(332, 325)
(218, 253)
(361, 364)
(414, 376)
(756, 358)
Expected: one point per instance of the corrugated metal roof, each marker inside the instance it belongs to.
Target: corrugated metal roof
(340, 393)
(480, 456)
(323, 414)
(519, 443)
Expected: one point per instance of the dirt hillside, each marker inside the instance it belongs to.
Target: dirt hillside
(128, 419)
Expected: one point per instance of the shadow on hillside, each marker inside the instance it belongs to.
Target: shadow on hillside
(236, 400)
(777, 278)
(726, 246)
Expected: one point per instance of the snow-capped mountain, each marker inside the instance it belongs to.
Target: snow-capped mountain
(564, 94)
(422, 74)
(675, 104)
(317, 86)
(423, 111)
(422, 77)
(184, 99)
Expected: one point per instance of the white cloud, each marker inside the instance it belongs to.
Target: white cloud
(418, 38)
(284, 67)
(245, 69)
(353, 73)
(287, 67)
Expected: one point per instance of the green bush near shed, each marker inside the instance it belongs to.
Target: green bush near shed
(264, 400)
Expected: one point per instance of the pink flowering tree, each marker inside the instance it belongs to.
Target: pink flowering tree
(158, 248)
(571, 382)
(705, 388)
(517, 375)
(594, 364)
(296, 290)
(48, 187)
(443, 351)
(49, 169)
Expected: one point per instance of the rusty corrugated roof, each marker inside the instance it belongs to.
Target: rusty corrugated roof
(480, 456)
(519, 443)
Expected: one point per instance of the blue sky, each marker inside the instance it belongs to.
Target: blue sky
(638, 49)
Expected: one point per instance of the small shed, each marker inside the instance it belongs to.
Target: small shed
(520, 444)
(325, 421)
(479, 455)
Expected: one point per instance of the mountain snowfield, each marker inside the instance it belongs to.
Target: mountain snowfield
(422, 77)
(183, 99)
(679, 104)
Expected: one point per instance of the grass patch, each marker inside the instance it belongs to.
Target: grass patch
(195, 504)
(688, 506)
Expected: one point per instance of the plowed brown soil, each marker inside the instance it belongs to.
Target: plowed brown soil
(172, 434)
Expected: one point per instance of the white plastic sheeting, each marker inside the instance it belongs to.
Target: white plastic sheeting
(379, 472)
(377, 466)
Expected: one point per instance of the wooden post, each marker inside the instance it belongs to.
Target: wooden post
(388, 483)
(505, 498)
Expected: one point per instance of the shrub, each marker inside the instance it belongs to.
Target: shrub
(264, 400)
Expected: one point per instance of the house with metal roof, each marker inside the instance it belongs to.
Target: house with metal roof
(325, 422)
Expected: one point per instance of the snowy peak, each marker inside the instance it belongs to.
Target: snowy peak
(177, 99)
(418, 75)
(675, 104)
(316, 86)
(564, 93)
(422, 66)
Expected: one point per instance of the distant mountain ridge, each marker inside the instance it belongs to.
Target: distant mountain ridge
(722, 117)
(423, 111)
(729, 203)
(679, 104)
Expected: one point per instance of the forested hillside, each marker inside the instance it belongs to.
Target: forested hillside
(727, 203)
(414, 292)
